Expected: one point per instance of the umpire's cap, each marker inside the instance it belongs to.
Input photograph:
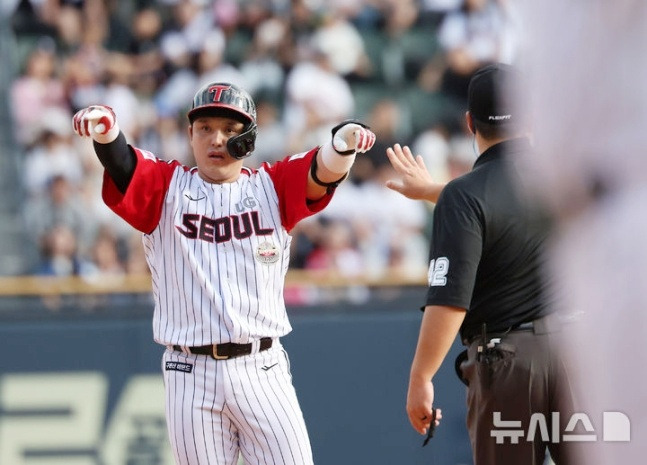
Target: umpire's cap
(495, 95)
(229, 100)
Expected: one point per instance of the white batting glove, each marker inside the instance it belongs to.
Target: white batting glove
(351, 137)
(98, 122)
(348, 139)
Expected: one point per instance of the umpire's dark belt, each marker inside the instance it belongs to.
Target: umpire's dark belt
(227, 349)
(527, 326)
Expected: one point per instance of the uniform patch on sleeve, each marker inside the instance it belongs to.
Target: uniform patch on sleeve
(179, 366)
(437, 274)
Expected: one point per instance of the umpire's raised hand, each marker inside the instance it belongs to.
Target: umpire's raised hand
(415, 181)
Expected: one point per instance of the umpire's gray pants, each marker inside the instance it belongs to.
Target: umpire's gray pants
(525, 376)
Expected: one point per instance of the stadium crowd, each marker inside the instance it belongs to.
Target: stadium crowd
(402, 66)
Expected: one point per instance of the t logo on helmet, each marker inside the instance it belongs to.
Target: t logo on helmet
(217, 91)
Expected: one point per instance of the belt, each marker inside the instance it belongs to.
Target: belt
(523, 326)
(527, 326)
(227, 349)
(551, 323)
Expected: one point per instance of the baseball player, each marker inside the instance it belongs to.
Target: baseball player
(217, 242)
(485, 283)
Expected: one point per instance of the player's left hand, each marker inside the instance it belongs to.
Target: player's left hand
(350, 137)
(420, 398)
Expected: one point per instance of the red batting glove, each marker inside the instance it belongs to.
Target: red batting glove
(98, 122)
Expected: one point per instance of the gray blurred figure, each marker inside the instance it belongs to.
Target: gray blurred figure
(588, 67)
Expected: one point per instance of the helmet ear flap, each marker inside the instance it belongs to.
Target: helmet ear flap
(242, 145)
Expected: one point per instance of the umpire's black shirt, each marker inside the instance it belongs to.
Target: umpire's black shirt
(486, 246)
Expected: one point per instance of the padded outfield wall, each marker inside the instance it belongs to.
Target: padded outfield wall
(80, 382)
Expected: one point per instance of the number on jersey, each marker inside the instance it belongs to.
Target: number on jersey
(438, 268)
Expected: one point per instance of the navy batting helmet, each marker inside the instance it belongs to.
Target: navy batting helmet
(225, 99)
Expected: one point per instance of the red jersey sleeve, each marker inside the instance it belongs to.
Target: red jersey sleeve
(141, 205)
(290, 178)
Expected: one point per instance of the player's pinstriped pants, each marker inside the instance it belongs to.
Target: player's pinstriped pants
(218, 408)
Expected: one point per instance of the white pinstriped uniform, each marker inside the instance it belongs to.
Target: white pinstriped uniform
(218, 255)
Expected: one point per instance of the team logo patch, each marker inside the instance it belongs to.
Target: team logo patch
(179, 366)
(267, 253)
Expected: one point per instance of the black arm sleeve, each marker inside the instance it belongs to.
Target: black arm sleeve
(119, 160)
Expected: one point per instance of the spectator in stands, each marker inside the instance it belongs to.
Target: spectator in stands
(400, 15)
(340, 40)
(167, 135)
(118, 29)
(386, 121)
(71, 25)
(135, 257)
(190, 32)
(336, 252)
(179, 76)
(212, 66)
(271, 141)
(261, 66)
(398, 229)
(433, 12)
(433, 145)
(59, 205)
(59, 255)
(191, 21)
(310, 112)
(33, 19)
(40, 87)
(105, 260)
(120, 96)
(470, 37)
(52, 154)
(400, 18)
(144, 51)
(83, 82)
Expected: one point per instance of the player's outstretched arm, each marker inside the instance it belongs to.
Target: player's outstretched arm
(415, 181)
(331, 164)
(100, 123)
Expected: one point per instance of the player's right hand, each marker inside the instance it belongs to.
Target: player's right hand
(351, 137)
(98, 122)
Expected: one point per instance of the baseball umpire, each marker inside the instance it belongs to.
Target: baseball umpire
(486, 282)
(217, 242)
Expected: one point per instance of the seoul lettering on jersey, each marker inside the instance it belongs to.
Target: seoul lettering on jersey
(222, 229)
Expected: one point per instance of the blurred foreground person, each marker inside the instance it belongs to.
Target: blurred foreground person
(591, 170)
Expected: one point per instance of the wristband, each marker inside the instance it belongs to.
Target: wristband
(334, 161)
(330, 186)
